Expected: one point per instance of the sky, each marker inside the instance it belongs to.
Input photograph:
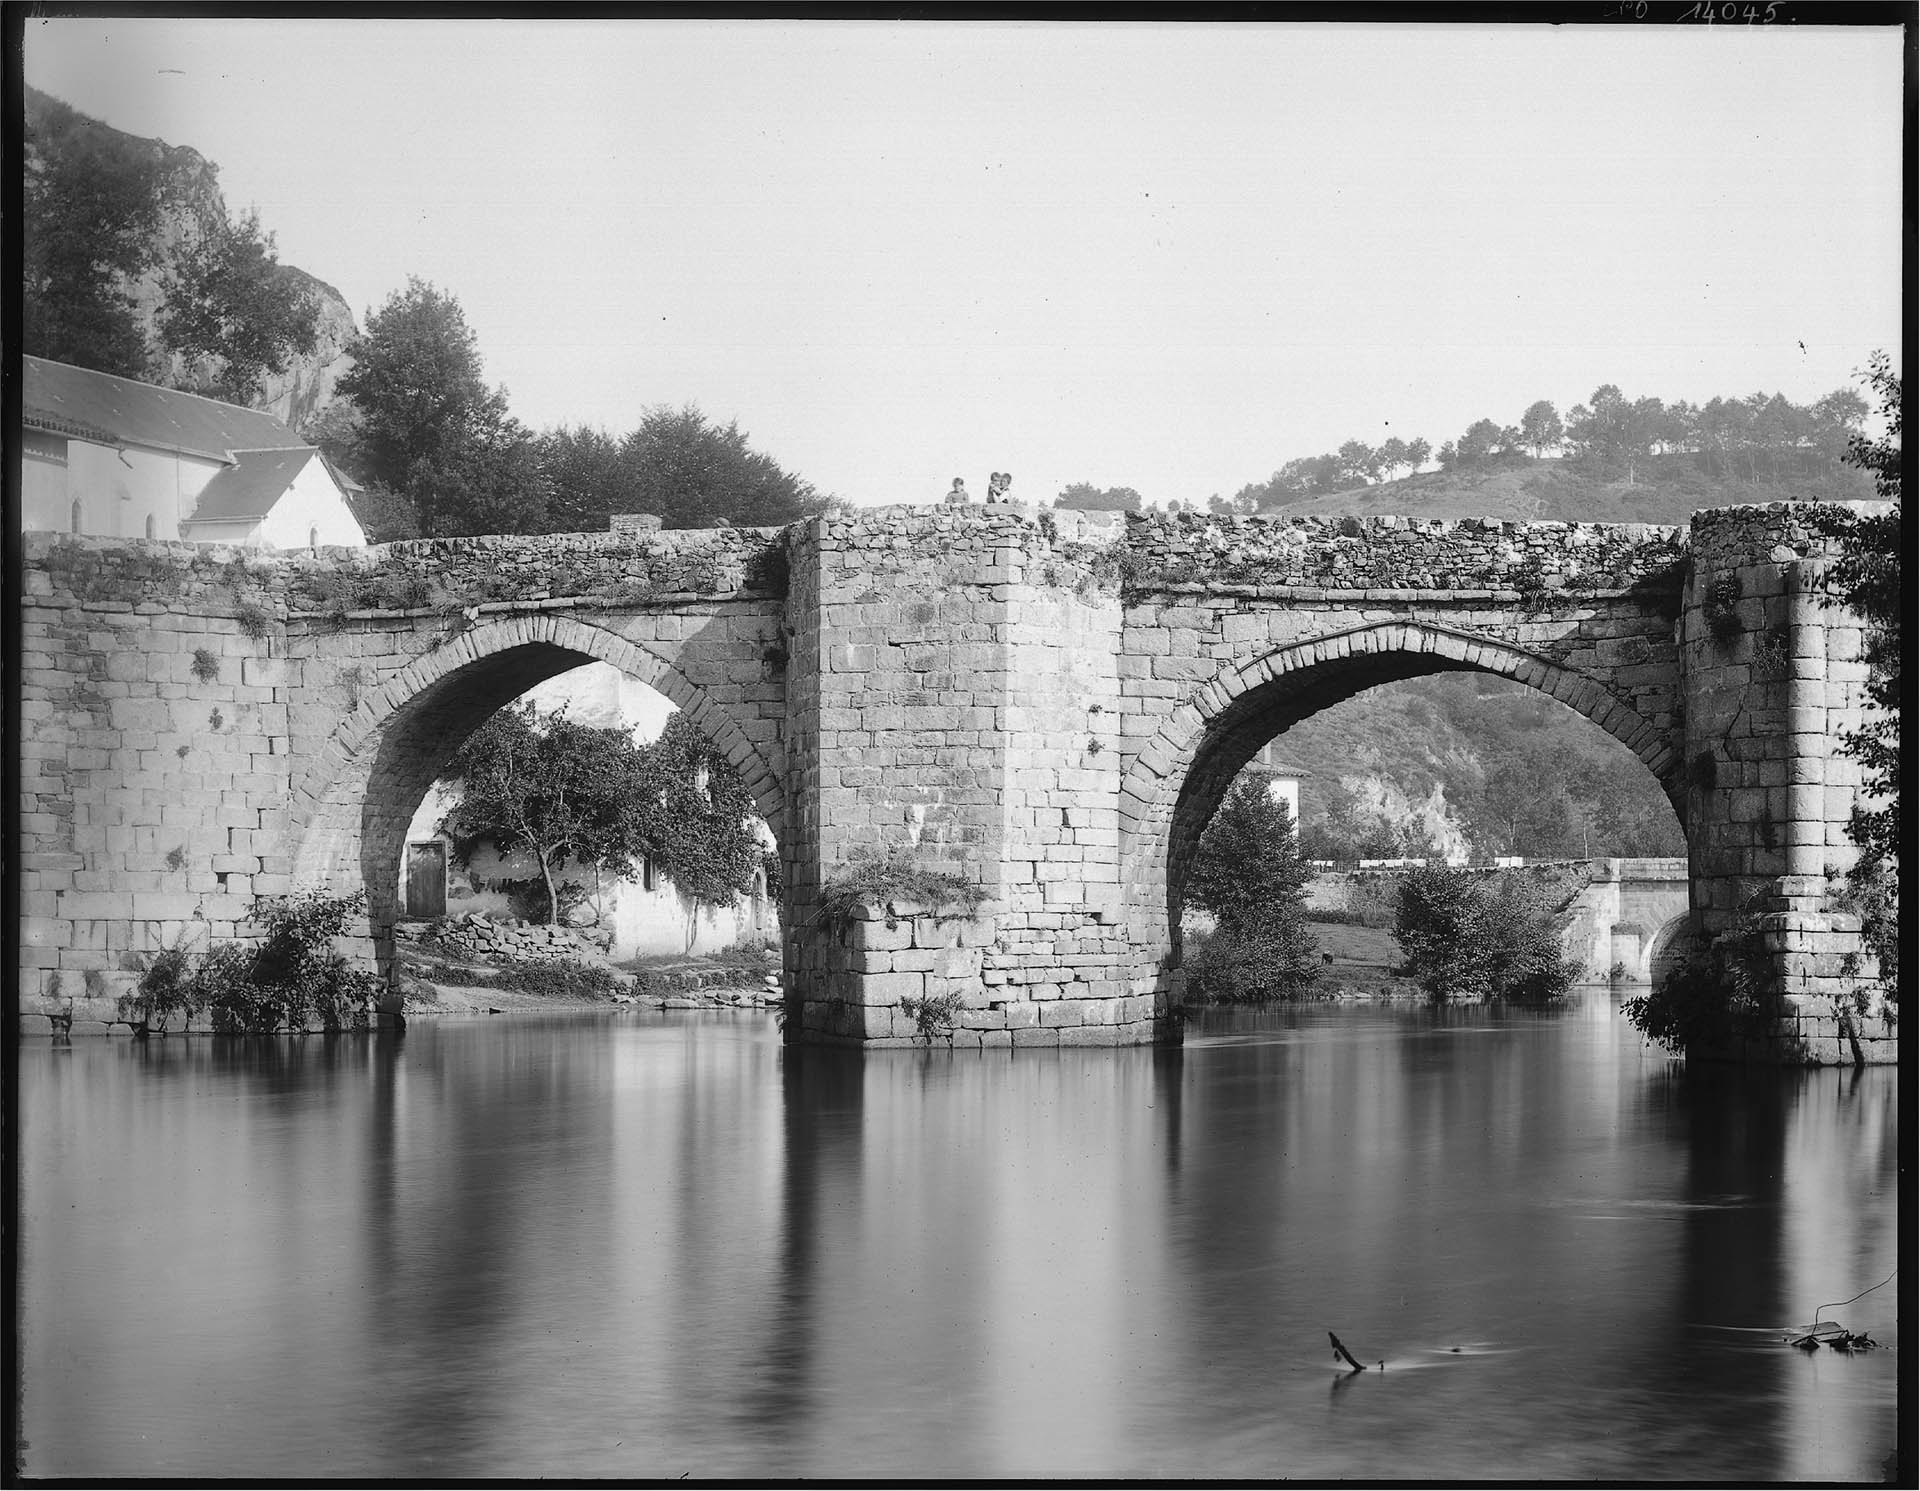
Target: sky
(1164, 256)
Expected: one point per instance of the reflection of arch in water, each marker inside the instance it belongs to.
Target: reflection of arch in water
(353, 809)
(1180, 777)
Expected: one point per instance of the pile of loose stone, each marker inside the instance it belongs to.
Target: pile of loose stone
(478, 936)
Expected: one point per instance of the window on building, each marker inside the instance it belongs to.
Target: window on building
(76, 515)
(313, 538)
(153, 526)
(646, 873)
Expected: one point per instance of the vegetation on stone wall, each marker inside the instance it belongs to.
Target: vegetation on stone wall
(1711, 998)
(1867, 579)
(893, 879)
(1485, 937)
(289, 979)
(1248, 875)
(935, 1014)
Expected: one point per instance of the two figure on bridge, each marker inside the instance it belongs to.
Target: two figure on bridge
(997, 485)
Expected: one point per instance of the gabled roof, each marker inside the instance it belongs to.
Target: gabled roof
(83, 404)
(250, 486)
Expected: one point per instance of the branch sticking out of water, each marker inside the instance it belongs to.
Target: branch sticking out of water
(1348, 1355)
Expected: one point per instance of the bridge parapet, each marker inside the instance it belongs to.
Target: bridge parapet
(618, 569)
(1480, 557)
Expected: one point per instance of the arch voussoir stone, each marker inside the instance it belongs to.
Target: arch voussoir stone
(1157, 784)
(342, 764)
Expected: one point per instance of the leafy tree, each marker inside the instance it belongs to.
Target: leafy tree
(559, 791)
(484, 478)
(1248, 873)
(569, 794)
(1540, 426)
(430, 430)
(230, 302)
(1393, 454)
(1418, 452)
(90, 219)
(1480, 441)
(581, 466)
(1463, 937)
(697, 474)
(1085, 497)
(1359, 462)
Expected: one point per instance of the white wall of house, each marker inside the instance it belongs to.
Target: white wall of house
(122, 491)
(646, 914)
(1287, 790)
(312, 512)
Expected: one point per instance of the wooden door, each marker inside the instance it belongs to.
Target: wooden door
(427, 878)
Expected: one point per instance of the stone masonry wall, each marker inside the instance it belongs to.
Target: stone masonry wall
(155, 768)
(1776, 679)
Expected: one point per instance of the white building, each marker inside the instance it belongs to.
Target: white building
(1283, 781)
(119, 458)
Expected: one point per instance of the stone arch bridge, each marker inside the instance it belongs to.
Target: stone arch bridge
(1049, 705)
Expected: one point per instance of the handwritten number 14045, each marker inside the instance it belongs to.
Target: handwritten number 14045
(1727, 10)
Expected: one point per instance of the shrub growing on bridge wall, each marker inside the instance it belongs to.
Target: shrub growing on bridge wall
(1711, 999)
(290, 979)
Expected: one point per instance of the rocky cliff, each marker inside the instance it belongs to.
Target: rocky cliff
(190, 201)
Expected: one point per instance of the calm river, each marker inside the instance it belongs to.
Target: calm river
(642, 1245)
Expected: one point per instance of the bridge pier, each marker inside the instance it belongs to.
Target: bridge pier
(954, 688)
(1774, 678)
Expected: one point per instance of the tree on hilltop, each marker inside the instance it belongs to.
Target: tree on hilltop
(1540, 427)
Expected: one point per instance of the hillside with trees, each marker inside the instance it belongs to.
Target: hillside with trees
(1466, 763)
(1613, 459)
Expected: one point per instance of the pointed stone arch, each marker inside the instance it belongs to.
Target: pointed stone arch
(351, 809)
(1178, 778)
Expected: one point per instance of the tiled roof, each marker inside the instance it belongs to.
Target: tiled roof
(79, 402)
(250, 487)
